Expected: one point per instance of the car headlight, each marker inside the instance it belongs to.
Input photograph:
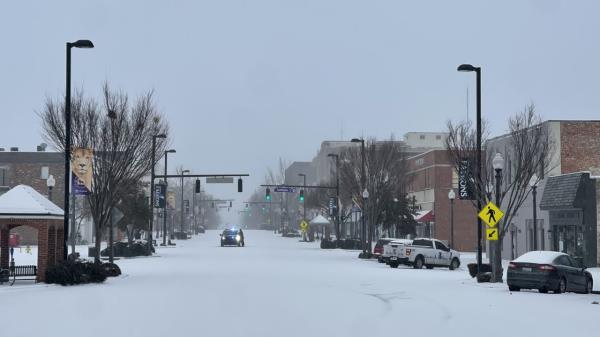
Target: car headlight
(222, 238)
(238, 238)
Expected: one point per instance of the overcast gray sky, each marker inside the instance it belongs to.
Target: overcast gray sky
(246, 82)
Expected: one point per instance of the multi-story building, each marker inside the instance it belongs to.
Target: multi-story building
(432, 177)
(575, 147)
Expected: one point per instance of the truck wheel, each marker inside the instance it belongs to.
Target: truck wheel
(418, 262)
(513, 288)
(454, 264)
(429, 266)
(393, 264)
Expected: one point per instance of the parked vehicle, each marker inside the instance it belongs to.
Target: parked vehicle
(378, 250)
(391, 248)
(548, 271)
(426, 252)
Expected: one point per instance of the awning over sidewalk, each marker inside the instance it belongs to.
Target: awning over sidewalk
(424, 216)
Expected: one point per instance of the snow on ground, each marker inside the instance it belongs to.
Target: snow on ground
(281, 287)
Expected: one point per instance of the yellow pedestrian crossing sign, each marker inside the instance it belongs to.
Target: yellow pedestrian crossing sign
(303, 225)
(491, 234)
(491, 214)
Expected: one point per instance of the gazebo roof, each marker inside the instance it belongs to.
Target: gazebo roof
(22, 201)
(319, 220)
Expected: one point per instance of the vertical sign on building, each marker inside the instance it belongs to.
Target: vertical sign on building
(465, 181)
(159, 195)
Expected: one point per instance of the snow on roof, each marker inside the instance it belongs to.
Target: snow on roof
(23, 200)
(539, 256)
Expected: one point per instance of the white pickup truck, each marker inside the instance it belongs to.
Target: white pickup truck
(425, 252)
(391, 249)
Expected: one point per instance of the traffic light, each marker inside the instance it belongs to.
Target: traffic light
(247, 205)
(301, 197)
(268, 194)
(230, 204)
(197, 185)
(213, 204)
(240, 185)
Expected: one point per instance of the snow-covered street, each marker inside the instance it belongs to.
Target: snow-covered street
(281, 287)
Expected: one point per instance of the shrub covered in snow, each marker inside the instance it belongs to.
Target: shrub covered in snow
(75, 272)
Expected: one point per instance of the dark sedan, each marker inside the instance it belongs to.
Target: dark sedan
(232, 237)
(548, 271)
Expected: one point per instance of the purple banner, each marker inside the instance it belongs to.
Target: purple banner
(78, 187)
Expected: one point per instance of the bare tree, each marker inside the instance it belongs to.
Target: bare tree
(526, 150)
(119, 132)
(386, 173)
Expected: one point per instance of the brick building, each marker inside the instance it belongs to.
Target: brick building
(32, 169)
(433, 175)
(576, 148)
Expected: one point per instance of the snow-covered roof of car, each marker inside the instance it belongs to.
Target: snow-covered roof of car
(539, 256)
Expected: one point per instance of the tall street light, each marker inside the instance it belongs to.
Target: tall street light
(50, 182)
(533, 182)
(498, 165)
(76, 44)
(181, 224)
(337, 194)
(166, 206)
(111, 256)
(152, 192)
(477, 70)
(363, 179)
(304, 190)
(451, 196)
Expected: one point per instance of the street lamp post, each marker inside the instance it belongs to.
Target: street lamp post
(76, 44)
(477, 70)
(50, 182)
(166, 206)
(181, 224)
(533, 182)
(338, 229)
(451, 196)
(365, 196)
(152, 192)
(363, 184)
(498, 165)
(111, 256)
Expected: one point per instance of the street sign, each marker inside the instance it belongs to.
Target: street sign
(491, 214)
(285, 189)
(491, 234)
(219, 180)
(304, 225)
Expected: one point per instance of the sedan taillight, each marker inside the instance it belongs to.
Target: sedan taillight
(546, 267)
(512, 266)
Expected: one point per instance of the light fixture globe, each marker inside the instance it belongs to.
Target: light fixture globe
(451, 195)
(534, 180)
(365, 194)
(498, 161)
(50, 182)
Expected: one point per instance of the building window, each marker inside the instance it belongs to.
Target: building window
(45, 172)
(422, 137)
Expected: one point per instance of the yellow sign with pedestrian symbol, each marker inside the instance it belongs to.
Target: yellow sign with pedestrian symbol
(303, 225)
(491, 214)
(491, 234)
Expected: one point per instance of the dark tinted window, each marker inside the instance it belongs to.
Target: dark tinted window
(229, 232)
(563, 260)
(425, 243)
(442, 246)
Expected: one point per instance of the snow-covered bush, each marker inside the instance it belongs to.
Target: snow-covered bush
(75, 272)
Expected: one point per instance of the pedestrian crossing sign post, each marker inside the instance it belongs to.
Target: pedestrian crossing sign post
(491, 215)
(491, 234)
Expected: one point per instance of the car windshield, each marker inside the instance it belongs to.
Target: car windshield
(230, 232)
